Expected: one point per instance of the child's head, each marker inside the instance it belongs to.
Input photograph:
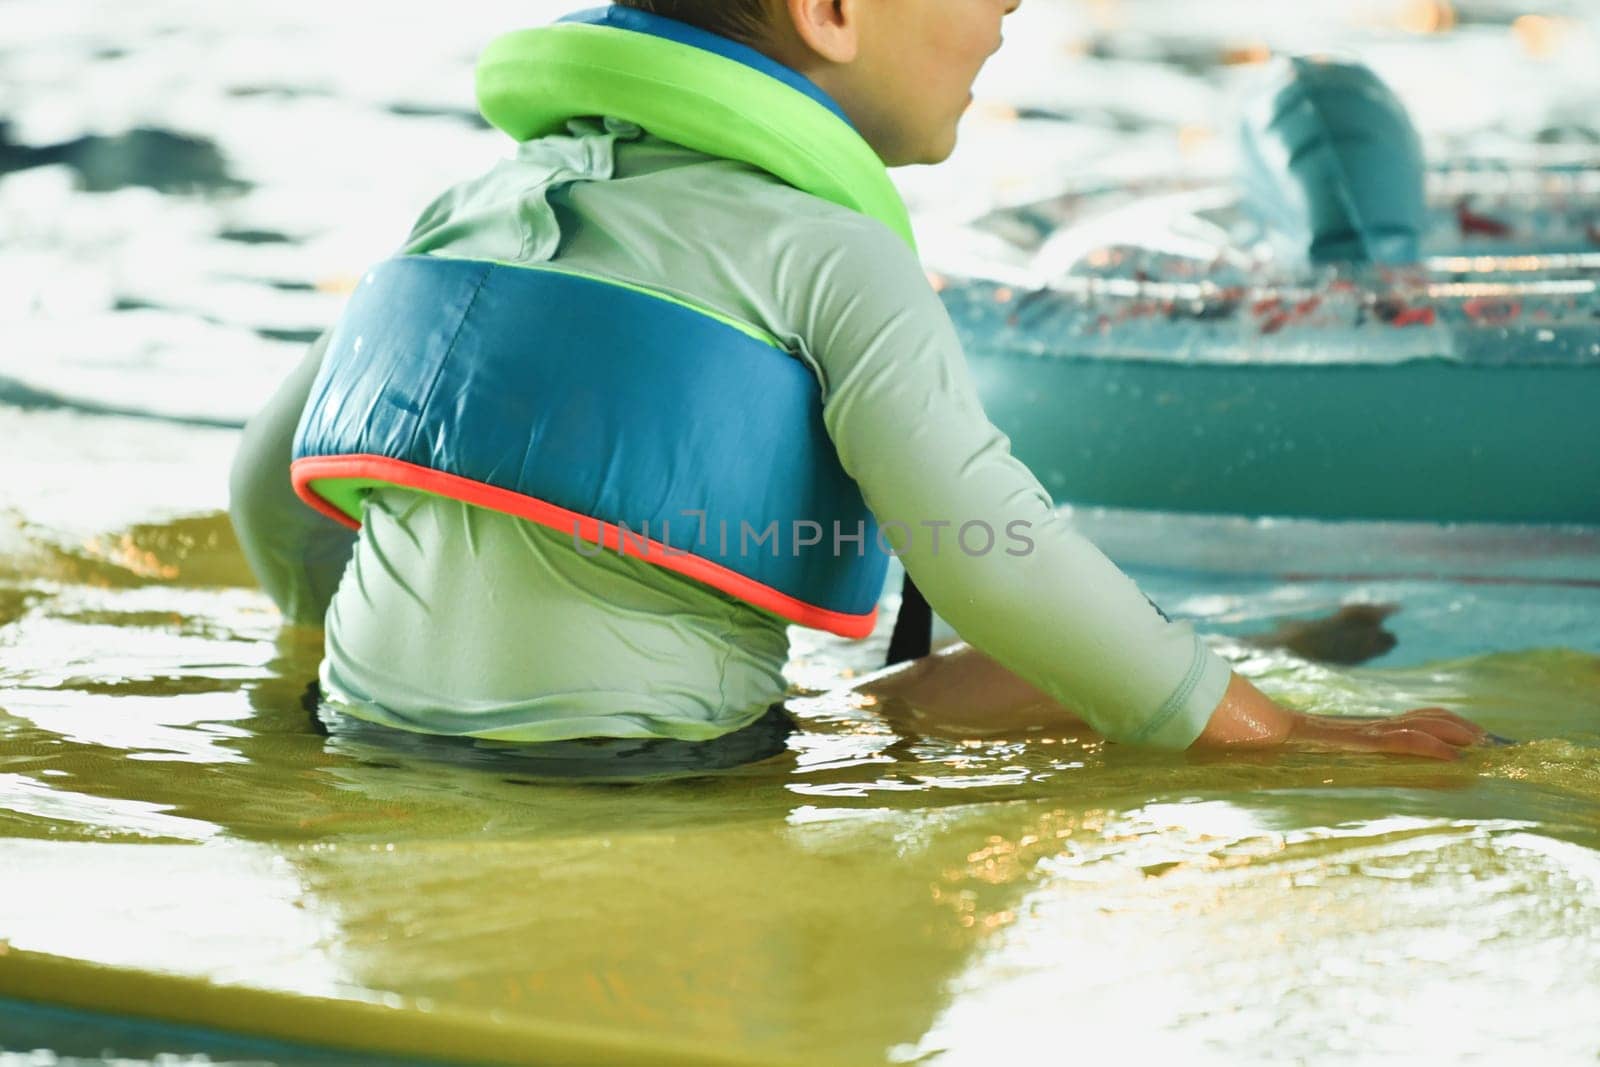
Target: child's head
(901, 69)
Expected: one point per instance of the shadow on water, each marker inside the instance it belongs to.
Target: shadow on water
(157, 159)
(256, 237)
(289, 334)
(460, 114)
(30, 398)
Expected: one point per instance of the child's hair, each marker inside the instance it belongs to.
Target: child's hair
(742, 20)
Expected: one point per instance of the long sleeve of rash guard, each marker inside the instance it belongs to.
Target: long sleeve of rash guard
(297, 554)
(901, 407)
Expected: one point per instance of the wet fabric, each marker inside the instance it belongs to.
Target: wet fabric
(583, 759)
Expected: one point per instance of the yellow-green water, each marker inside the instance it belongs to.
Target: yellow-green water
(183, 190)
(871, 896)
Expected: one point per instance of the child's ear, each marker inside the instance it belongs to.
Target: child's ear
(830, 28)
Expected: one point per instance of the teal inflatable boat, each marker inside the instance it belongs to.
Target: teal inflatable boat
(1343, 332)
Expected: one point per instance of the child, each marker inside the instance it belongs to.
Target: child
(693, 290)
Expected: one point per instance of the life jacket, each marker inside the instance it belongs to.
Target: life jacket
(627, 418)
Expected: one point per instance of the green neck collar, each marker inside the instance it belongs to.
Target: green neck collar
(661, 75)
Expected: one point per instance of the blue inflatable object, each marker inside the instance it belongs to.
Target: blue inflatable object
(615, 415)
(1342, 334)
(1332, 165)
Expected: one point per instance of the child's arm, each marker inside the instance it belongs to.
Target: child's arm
(961, 692)
(297, 554)
(1042, 601)
(1047, 605)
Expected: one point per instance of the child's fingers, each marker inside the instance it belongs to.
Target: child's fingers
(1455, 733)
(1388, 736)
(1420, 716)
(1409, 742)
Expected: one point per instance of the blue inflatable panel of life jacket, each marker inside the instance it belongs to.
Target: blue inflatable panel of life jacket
(602, 400)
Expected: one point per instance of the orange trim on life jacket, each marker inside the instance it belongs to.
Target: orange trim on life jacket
(302, 472)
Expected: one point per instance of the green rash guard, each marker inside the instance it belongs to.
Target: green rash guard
(451, 619)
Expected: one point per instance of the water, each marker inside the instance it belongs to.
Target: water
(879, 893)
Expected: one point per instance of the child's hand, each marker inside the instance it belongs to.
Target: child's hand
(1431, 732)
(1247, 718)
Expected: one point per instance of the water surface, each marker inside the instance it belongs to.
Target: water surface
(185, 194)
